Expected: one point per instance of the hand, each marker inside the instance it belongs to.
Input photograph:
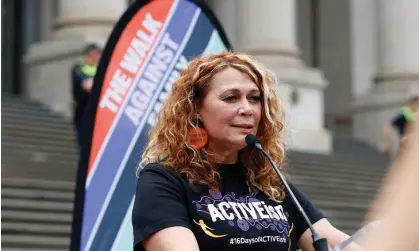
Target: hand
(87, 84)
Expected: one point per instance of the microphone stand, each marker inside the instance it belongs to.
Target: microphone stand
(319, 244)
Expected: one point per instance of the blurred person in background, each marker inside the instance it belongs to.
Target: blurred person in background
(402, 123)
(82, 75)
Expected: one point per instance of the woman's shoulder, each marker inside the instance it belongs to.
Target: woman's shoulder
(159, 171)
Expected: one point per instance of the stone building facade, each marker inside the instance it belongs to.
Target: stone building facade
(344, 66)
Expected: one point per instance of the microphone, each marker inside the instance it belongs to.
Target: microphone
(319, 244)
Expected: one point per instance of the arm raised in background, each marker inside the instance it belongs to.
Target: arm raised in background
(397, 205)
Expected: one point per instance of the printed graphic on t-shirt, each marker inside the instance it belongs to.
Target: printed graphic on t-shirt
(207, 229)
(245, 214)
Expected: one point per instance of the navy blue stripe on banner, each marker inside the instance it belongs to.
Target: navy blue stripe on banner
(200, 37)
(125, 188)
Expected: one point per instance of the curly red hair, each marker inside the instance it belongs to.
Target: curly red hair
(168, 139)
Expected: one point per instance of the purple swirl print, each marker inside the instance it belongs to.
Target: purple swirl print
(253, 200)
(215, 194)
(243, 225)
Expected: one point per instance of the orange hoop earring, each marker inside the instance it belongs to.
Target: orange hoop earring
(197, 136)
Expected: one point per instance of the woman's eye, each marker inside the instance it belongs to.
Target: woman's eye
(256, 98)
(230, 98)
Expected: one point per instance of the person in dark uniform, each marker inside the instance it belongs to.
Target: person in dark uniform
(200, 187)
(401, 123)
(82, 75)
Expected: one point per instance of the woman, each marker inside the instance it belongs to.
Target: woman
(201, 188)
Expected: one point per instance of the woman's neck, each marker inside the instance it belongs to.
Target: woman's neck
(224, 156)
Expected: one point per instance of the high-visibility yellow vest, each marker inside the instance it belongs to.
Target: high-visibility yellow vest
(408, 114)
(89, 70)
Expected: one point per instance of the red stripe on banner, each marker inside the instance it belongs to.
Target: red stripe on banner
(123, 68)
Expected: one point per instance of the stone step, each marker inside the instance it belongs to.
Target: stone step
(342, 194)
(19, 101)
(33, 249)
(51, 154)
(36, 131)
(343, 166)
(338, 201)
(39, 161)
(34, 240)
(30, 110)
(309, 176)
(34, 205)
(34, 112)
(336, 183)
(41, 217)
(42, 160)
(40, 118)
(338, 173)
(38, 184)
(337, 159)
(332, 189)
(31, 151)
(35, 228)
(342, 205)
(14, 168)
(12, 141)
(39, 195)
(18, 144)
(38, 139)
(329, 165)
(338, 197)
(339, 214)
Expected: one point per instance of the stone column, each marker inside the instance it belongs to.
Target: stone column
(47, 18)
(93, 18)
(226, 13)
(397, 76)
(398, 42)
(267, 29)
(49, 62)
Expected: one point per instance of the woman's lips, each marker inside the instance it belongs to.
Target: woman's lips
(244, 128)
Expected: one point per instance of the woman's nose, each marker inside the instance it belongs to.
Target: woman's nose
(245, 108)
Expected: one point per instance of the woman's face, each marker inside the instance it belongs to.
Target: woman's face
(230, 110)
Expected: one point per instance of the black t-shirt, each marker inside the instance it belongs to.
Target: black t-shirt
(233, 219)
(400, 124)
